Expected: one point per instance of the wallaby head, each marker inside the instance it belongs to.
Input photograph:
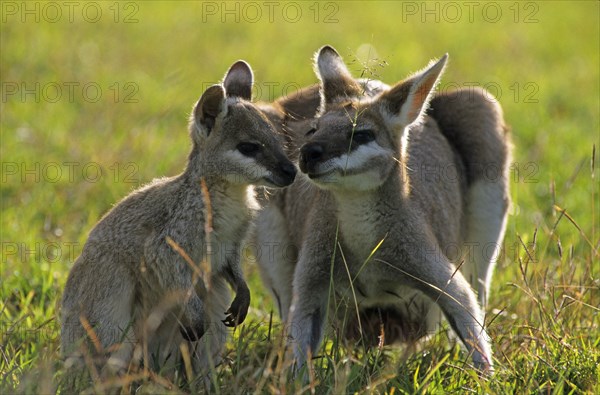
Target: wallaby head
(355, 141)
(233, 139)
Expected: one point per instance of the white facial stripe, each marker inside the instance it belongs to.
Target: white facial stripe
(361, 169)
(241, 167)
(366, 180)
(359, 158)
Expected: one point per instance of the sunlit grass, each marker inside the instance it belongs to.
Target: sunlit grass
(543, 316)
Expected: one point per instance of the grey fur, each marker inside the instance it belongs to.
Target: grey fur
(139, 294)
(417, 215)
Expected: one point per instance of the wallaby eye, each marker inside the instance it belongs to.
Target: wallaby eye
(311, 132)
(248, 149)
(363, 136)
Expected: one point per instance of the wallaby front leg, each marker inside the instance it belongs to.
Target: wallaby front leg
(309, 307)
(435, 276)
(459, 304)
(236, 314)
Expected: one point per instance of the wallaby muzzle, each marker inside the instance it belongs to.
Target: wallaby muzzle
(311, 155)
(285, 174)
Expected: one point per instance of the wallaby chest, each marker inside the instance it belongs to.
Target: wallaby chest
(366, 223)
(374, 239)
(230, 216)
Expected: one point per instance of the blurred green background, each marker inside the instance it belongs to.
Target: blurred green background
(96, 95)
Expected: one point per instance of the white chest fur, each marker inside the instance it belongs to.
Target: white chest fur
(358, 227)
(230, 216)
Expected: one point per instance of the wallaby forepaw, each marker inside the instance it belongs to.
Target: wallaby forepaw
(233, 319)
(236, 314)
(230, 320)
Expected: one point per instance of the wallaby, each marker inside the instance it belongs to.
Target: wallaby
(386, 197)
(293, 114)
(135, 284)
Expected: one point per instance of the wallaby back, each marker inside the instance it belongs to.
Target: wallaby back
(472, 121)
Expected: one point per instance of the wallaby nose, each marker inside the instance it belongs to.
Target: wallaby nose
(309, 155)
(289, 170)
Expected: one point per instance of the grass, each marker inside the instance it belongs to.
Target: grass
(66, 160)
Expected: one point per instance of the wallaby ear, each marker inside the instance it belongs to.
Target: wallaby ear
(336, 81)
(238, 80)
(210, 105)
(407, 101)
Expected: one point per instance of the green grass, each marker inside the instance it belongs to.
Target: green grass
(544, 315)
